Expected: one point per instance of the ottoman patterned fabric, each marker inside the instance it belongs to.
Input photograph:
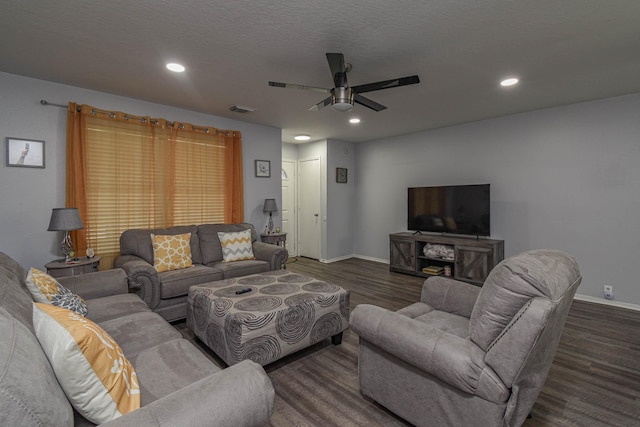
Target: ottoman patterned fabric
(283, 312)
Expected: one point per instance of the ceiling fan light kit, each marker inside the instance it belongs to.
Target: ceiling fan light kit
(342, 96)
(342, 99)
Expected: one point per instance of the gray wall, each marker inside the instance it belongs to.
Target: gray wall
(566, 178)
(28, 195)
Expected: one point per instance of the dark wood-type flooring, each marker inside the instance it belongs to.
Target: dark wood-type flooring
(594, 379)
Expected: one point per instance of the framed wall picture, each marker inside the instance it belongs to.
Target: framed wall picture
(341, 175)
(263, 168)
(25, 153)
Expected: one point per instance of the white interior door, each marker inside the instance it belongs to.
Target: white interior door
(289, 209)
(309, 220)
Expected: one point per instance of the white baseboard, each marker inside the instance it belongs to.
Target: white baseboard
(603, 301)
(369, 258)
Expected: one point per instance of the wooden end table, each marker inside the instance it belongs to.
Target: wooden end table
(82, 265)
(279, 239)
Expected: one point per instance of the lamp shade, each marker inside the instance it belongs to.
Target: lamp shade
(65, 219)
(270, 206)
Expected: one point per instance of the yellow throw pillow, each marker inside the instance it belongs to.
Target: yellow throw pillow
(236, 246)
(171, 252)
(47, 290)
(90, 366)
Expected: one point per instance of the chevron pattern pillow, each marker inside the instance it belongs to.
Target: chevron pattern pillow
(236, 246)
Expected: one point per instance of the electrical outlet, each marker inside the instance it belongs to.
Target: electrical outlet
(608, 292)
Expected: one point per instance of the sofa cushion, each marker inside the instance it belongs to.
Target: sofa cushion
(136, 332)
(236, 246)
(176, 283)
(210, 243)
(15, 298)
(45, 289)
(230, 270)
(138, 242)
(90, 366)
(113, 306)
(180, 363)
(29, 392)
(171, 252)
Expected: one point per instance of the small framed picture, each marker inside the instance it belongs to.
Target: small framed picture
(25, 153)
(263, 168)
(341, 175)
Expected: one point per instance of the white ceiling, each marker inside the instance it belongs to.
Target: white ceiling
(564, 51)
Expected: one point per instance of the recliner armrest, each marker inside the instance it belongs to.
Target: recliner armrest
(143, 278)
(241, 395)
(275, 255)
(97, 284)
(454, 360)
(452, 296)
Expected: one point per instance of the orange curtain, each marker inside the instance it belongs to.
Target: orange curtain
(76, 176)
(126, 172)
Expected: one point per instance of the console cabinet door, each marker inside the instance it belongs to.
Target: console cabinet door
(402, 255)
(473, 263)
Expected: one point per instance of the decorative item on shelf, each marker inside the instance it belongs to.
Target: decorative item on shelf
(270, 207)
(447, 270)
(66, 219)
(433, 270)
(341, 175)
(277, 230)
(90, 253)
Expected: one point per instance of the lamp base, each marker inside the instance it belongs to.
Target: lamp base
(270, 225)
(67, 247)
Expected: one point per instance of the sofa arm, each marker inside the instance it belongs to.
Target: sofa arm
(275, 255)
(241, 395)
(143, 278)
(456, 361)
(98, 284)
(450, 295)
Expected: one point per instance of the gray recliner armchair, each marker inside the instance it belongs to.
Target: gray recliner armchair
(469, 356)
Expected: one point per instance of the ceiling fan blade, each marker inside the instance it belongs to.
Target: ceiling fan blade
(368, 103)
(387, 84)
(321, 104)
(302, 87)
(338, 69)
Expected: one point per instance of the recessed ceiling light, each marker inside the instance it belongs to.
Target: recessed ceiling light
(302, 137)
(176, 68)
(354, 120)
(509, 82)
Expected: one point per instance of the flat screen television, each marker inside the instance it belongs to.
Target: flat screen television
(454, 209)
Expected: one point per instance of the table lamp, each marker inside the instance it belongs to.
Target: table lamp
(65, 219)
(270, 207)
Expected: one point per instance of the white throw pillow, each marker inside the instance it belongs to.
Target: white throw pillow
(47, 290)
(90, 366)
(236, 246)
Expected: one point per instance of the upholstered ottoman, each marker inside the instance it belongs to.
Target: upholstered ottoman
(281, 313)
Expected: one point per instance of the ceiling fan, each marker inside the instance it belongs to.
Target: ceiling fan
(342, 96)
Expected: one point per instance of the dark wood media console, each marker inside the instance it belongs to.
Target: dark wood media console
(469, 259)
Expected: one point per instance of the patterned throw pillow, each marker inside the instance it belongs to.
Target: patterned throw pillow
(90, 366)
(47, 290)
(236, 246)
(171, 252)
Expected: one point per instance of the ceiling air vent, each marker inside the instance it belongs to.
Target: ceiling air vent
(241, 109)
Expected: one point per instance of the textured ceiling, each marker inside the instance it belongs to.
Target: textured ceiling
(564, 52)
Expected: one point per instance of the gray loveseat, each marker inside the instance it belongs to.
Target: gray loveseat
(166, 292)
(179, 385)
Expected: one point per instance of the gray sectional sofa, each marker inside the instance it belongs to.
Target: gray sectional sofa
(166, 292)
(179, 386)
